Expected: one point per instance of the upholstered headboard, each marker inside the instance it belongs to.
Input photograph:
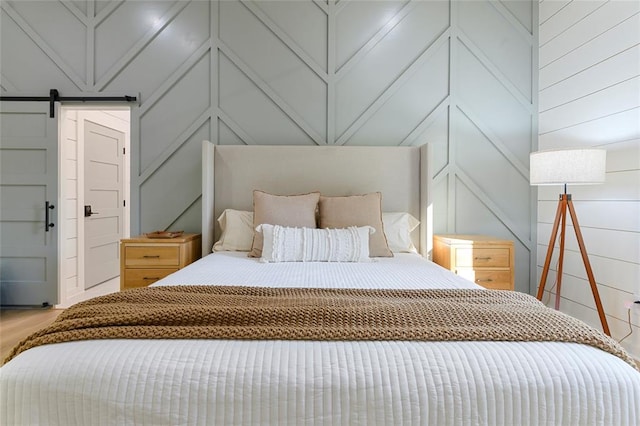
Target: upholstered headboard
(231, 173)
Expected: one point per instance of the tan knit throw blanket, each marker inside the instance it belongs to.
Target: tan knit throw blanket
(223, 312)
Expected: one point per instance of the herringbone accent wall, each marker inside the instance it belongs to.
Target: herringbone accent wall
(459, 74)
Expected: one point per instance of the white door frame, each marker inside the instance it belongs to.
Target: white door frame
(72, 294)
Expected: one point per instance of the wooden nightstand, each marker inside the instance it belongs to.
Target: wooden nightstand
(144, 261)
(487, 261)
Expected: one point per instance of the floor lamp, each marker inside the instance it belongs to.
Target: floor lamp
(585, 166)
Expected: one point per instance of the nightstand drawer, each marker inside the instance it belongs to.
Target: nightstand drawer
(144, 261)
(152, 256)
(497, 280)
(144, 277)
(483, 257)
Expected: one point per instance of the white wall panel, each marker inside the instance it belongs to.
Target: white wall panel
(605, 74)
(440, 191)
(162, 125)
(624, 155)
(599, 242)
(165, 194)
(304, 22)
(497, 109)
(523, 12)
(81, 5)
(26, 63)
(620, 126)
(614, 273)
(437, 134)
(500, 41)
(412, 103)
(148, 68)
(226, 136)
(560, 24)
(590, 96)
(619, 97)
(511, 197)
(576, 289)
(305, 72)
(100, 5)
(358, 22)
(68, 207)
(46, 19)
(602, 17)
(123, 28)
(548, 9)
(358, 87)
(289, 77)
(253, 112)
(476, 214)
(619, 38)
(597, 214)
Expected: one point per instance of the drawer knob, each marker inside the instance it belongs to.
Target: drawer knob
(482, 258)
(147, 256)
(151, 278)
(488, 280)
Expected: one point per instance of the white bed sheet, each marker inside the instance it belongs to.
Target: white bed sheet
(404, 270)
(162, 382)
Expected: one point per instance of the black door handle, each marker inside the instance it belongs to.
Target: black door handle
(47, 224)
(88, 212)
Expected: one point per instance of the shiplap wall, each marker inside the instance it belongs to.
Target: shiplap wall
(457, 74)
(590, 96)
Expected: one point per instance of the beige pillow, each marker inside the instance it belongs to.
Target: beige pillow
(285, 210)
(237, 231)
(357, 210)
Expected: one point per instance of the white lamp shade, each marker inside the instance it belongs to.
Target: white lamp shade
(584, 166)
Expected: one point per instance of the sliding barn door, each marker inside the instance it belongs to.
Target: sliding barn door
(28, 204)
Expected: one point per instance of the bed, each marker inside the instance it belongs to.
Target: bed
(277, 381)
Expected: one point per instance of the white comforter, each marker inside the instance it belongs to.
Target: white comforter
(160, 382)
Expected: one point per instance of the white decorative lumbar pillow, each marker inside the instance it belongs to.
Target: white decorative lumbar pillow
(285, 244)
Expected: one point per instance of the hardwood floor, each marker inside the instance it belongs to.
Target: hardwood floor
(17, 324)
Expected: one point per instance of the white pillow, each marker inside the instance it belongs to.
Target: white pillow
(285, 244)
(397, 228)
(237, 231)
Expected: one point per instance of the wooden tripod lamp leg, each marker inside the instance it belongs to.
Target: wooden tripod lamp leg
(563, 233)
(552, 242)
(587, 266)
